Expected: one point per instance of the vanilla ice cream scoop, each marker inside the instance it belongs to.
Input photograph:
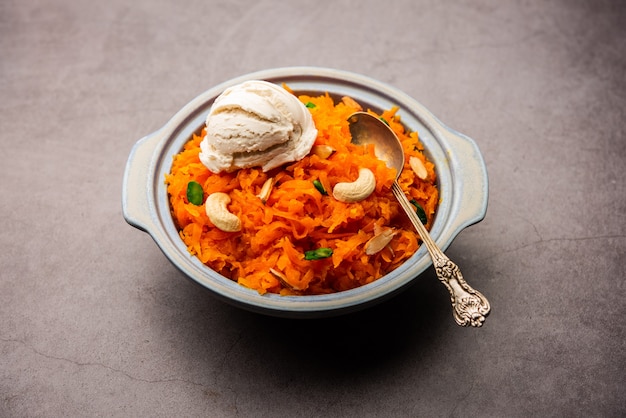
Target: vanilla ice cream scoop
(256, 124)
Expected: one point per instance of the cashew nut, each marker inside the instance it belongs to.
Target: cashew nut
(218, 213)
(358, 190)
(418, 167)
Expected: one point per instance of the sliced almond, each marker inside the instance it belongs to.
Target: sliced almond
(418, 167)
(322, 151)
(264, 194)
(379, 241)
(351, 103)
(282, 278)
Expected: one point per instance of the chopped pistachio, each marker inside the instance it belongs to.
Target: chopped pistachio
(195, 194)
(420, 211)
(320, 187)
(318, 254)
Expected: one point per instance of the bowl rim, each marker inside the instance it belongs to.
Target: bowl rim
(461, 172)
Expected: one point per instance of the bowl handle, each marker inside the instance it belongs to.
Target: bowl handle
(473, 180)
(136, 187)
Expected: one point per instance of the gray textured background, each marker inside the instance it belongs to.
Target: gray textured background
(94, 321)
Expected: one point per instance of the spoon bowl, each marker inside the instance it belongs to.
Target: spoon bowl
(470, 307)
(368, 129)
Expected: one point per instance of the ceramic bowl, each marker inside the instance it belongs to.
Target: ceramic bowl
(461, 171)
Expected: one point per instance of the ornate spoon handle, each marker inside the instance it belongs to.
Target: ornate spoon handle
(469, 306)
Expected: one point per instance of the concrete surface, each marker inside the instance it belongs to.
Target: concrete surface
(94, 321)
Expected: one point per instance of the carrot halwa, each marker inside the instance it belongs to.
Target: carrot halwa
(300, 213)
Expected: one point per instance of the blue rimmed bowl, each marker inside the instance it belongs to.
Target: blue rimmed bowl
(461, 172)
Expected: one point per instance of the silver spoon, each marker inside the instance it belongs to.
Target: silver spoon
(469, 306)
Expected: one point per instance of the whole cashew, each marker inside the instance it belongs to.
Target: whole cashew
(358, 190)
(218, 213)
